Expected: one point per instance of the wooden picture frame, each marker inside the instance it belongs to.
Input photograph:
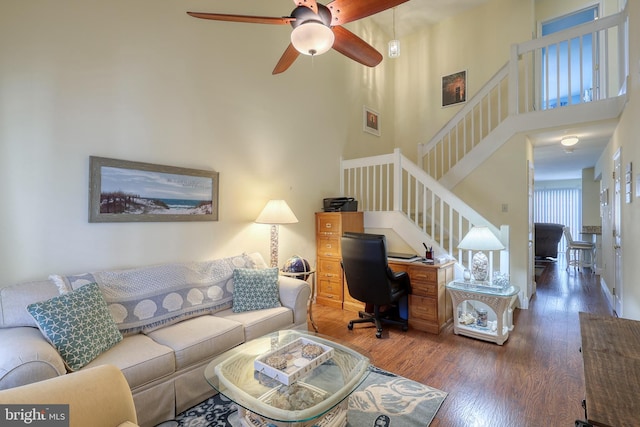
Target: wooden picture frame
(370, 121)
(454, 88)
(126, 191)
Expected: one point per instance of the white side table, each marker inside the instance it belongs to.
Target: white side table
(300, 275)
(498, 299)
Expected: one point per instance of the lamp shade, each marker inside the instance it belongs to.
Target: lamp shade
(312, 38)
(276, 212)
(480, 239)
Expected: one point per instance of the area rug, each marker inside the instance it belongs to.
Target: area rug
(383, 399)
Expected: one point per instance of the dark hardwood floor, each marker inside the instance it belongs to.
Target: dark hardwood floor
(534, 379)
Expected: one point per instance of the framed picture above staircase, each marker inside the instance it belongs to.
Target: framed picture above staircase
(454, 88)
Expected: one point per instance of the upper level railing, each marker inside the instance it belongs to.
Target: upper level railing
(391, 182)
(586, 63)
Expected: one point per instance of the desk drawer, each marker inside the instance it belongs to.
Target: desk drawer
(329, 225)
(424, 289)
(423, 308)
(328, 246)
(331, 289)
(329, 269)
(423, 275)
(329, 292)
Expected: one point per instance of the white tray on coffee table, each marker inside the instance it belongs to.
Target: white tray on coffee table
(297, 365)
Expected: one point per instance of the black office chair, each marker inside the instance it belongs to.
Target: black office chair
(370, 280)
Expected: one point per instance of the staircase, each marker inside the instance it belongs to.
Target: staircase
(416, 201)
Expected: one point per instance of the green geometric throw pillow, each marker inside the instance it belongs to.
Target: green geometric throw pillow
(78, 324)
(255, 289)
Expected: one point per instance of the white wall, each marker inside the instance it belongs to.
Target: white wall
(143, 81)
(590, 198)
(625, 138)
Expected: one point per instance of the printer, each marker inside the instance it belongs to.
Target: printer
(340, 204)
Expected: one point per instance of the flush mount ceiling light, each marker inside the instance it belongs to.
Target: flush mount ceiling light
(569, 141)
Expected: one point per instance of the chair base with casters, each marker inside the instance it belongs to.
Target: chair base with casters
(379, 317)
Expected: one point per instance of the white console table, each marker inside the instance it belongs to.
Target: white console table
(498, 299)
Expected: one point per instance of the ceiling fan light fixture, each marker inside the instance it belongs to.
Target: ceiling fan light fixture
(569, 141)
(312, 38)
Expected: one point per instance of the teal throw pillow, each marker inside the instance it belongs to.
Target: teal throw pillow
(78, 324)
(255, 289)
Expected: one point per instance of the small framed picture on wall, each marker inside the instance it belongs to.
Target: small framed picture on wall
(370, 121)
(454, 88)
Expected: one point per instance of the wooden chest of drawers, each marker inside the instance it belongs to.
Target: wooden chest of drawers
(331, 284)
(429, 304)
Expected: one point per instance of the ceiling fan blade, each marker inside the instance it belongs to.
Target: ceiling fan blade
(355, 48)
(287, 58)
(344, 11)
(311, 4)
(243, 18)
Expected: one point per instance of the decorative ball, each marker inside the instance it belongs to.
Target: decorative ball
(297, 264)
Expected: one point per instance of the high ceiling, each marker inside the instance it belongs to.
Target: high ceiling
(415, 14)
(551, 161)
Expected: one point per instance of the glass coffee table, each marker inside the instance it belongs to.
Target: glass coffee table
(289, 378)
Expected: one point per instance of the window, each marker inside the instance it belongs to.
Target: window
(568, 67)
(559, 206)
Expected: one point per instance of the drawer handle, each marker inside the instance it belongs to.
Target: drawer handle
(327, 225)
(329, 246)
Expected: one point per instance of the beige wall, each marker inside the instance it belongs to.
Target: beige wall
(143, 81)
(470, 41)
(626, 139)
(502, 179)
(590, 198)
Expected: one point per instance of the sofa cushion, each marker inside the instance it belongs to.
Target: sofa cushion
(260, 322)
(78, 324)
(146, 298)
(140, 359)
(200, 338)
(255, 289)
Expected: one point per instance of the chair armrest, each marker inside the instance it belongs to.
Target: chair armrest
(97, 397)
(27, 357)
(295, 294)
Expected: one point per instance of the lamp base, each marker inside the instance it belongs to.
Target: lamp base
(480, 267)
(274, 245)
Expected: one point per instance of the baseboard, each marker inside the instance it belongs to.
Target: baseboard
(607, 294)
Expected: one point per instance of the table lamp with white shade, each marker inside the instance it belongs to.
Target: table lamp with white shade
(276, 212)
(479, 239)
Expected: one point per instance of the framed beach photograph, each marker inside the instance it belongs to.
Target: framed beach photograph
(125, 191)
(370, 121)
(454, 88)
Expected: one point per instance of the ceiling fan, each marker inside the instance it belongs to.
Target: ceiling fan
(318, 28)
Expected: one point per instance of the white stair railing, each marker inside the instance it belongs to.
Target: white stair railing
(537, 77)
(391, 182)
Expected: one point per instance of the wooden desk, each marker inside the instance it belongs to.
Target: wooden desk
(429, 305)
(611, 357)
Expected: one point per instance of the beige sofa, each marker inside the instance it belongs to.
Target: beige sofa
(97, 397)
(162, 357)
